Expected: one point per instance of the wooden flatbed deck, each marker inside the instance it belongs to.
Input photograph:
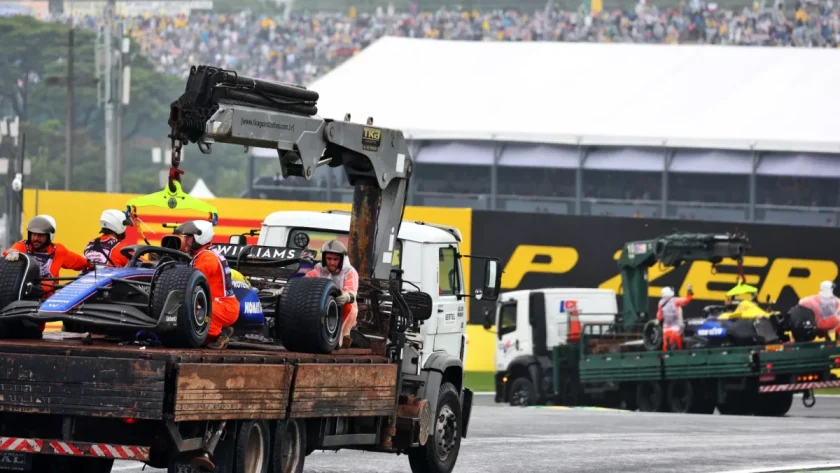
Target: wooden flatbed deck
(64, 375)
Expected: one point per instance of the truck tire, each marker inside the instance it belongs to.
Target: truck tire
(253, 447)
(288, 449)
(308, 317)
(14, 276)
(523, 392)
(688, 397)
(195, 309)
(442, 448)
(774, 404)
(649, 396)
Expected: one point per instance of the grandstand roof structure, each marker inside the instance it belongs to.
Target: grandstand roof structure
(590, 94)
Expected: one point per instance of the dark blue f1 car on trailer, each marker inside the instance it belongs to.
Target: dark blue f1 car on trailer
(158, 295)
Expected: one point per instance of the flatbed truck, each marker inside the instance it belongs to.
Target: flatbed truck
(607, 364)
(76, 402)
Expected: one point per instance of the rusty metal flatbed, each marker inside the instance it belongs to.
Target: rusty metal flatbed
(99, 378)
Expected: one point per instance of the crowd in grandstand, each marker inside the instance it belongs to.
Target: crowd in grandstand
(310, 44)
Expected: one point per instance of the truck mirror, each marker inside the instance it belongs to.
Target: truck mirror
(237, 240)
(492, 281)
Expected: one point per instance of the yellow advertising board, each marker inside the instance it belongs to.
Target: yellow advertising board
(77, 222)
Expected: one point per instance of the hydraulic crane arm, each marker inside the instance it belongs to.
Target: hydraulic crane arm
(220, 106)
(670, 251)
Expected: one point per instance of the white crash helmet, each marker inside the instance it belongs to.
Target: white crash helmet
(202, 230)
(335, 247)
(667, 292)
(42, 224)
(114, 220)
(827, 288)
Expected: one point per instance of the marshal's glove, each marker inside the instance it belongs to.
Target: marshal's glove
(13, 255)
(345, 298)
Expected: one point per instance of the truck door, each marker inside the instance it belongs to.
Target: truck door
(508, 345)
(450, 313)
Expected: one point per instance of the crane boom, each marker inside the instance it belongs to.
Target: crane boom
(220, 106)
(670, 251)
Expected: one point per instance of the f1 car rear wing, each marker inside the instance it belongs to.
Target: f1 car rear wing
(220, 106)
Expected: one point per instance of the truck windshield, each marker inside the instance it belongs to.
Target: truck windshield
(317, 238)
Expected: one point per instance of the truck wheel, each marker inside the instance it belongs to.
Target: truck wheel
(308, 317)
(288, 450)
(774, 404)
(441, 450)
(253, 447)
(193, 310)
(649, 396)
(686, 397)
(523, 393)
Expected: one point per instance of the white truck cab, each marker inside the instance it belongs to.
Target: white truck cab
(530, 323)
(427, 253)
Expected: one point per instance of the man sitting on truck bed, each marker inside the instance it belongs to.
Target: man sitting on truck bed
(198, 239)
(336, 266)
(669, 314)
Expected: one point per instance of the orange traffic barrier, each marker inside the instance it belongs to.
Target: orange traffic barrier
(574, 325)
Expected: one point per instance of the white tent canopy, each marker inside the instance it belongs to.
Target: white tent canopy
(680, 96)
(201, 191)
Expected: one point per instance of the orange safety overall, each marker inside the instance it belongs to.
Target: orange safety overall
(105, 250)
(826, 310)
(348, 280)
(668, 315)
(215, 268)
(55, 258)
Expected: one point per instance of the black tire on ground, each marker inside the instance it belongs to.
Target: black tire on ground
(193, 314)
(14, 276)
(253, 447)
(444, 443)
(774, 404)
(649, 396)
(288, 449)
(522, 392)
(738, 403)
(652, 336)
(308, 317)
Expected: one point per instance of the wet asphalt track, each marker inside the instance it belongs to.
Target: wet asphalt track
(506, 439)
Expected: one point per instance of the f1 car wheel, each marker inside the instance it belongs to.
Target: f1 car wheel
(652, 336)
(289, 450)
(14, 277)
(308, 317)
(444, 443)
(182, 295)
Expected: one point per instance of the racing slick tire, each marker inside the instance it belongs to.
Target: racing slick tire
(194, 306)
(308, 317)
(14, 276)
(652, 336)
(444, 443)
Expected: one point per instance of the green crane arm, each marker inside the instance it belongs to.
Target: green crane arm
(670, 251)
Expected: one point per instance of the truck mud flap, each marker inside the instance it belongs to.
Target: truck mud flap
(82, 386)
(466, 410)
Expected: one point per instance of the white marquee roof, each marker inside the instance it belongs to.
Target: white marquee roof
(773, 99)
